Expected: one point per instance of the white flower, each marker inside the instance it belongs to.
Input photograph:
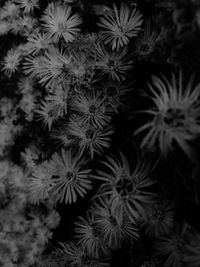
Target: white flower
(11, 61)
(27, 5)
(59, 22)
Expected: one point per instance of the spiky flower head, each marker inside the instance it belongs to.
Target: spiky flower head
(120, 25)
(175, 116)
(27, 5)
(60, 22)
(72, 177)
(11, 61)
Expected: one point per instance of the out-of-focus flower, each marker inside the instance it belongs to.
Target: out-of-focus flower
(37, 42)
(128, 190)
(10, 10)
(11, 61)
(60, 22)
(72, 177)
(145, 43)
(176, 116)
(119, 26)
(27, 5)
(112, 63)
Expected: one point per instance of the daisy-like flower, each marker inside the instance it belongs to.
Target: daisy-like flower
(11, 61)
(112, 63)
(25, 25)
(27, 5)
(72, 179)
(37, 42)
(176, 116)
(128, 190)
(60, 22)
(47, 113)
(120, 25)
(33, 66)
(145, 43)
(40, 183)
(158, 219)
(92, 108)
(114, 229)
(10, 10)
(89, 138)
(25, 85)
(61, 136)
(89, 238)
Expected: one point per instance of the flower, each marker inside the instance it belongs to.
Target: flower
(27, 5)
(59, 22)
(145, 43)
(128, 190)
(112, 63)
(72, 178)
(11, 61)
(119, 26)
(40, 183)
(158, 219)
(113, 228)
(92, 109)
(89, 138)
(37, 42)
(88, 237)
(175, 118)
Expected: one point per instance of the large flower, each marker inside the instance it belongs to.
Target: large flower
(120, 25)
(72, 178)
(176, 116)
(59, 22)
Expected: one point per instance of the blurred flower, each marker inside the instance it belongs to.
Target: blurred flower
(27, 5)
(10, 10)
(120, 26)
(37, 42)
(11, 61)
(72, 178)
(59, 22)
(176, 115)
(40, 183)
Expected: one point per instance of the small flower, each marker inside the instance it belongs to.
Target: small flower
(119, 26)
(11, 61)
(175, 118)
(47, 114)
(113, 228)
(40, 183)
(88, 237)
(89, 138)
(158, 219)
(10, 10)
(114, 64)
(33, 66)
(27, 5)
(37, 42)
(128, 190)
(72, 179)
(92, 109)
(145, 43)
(59, 22)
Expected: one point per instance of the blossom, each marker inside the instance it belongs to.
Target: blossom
(89, 138)
(40, 183)
(72, 178)
(127, 189)
(92, 108)
(37, 42)
(119, 26)
(11, 61)
(112, 63)
(59, 22)
(114, 229)
(176, 114)
(27, 5)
